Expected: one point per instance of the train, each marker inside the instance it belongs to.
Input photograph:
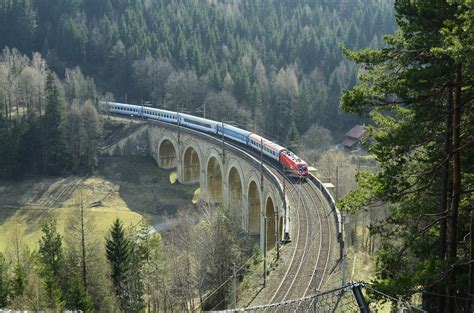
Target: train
(290, 162)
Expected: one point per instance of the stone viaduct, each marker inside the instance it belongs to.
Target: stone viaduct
(226, 175)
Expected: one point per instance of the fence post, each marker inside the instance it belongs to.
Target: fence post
(363, 306)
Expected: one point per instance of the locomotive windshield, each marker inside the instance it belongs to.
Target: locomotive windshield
(302, 168)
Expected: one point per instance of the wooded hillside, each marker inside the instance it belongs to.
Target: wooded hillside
(269, 63)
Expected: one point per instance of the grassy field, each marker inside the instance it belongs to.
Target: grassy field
(128, 188)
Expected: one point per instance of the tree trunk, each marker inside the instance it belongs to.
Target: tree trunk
(444, 195)
(470, 307)
(453, 223)
(83, 246)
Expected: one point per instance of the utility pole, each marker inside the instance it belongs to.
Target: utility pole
(286, 234)
(234, 287)
(264, 251)
(223, 143)
(337, 183)
(277, 235)
(344, 261)
(177, 122)
(261, 164)
(264, 218)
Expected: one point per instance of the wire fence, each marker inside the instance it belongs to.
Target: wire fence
(345, 299)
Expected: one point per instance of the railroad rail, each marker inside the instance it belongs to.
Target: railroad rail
(311, 255)
(312, 245)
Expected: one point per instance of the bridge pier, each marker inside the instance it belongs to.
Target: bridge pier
(235, 181)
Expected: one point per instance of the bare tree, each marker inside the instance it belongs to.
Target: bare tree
(150, 77)
(92, 135)
(185, 90)
(222, 106)
(316, 140)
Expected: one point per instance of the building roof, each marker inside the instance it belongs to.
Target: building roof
(356, 132)
(349, 142)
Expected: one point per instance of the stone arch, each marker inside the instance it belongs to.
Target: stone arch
(271, 223)
(235, 185)
(167, 153)
(254, 209)
(191, 164)
(214, 179)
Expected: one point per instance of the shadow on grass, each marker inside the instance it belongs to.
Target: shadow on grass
(19, 200)
(144, 187)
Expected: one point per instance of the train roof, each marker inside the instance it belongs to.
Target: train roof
(197, 119)
(159, 110)
(235, 129)
(118, 103)
(267, 143)
(293, 156)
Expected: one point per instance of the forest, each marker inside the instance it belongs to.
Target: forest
(294, 71)
(274, 67)
(266, 64)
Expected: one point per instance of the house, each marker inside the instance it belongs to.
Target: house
(353, 137)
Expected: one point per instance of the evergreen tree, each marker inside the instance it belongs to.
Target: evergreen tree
(4, 283)
(77, 297)
(418, 92)
(19, 281)
(51, 263)
(119, 254)
(293, 140)
(53, 124)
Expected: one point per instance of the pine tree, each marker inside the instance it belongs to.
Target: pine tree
(54, 133)
(4, 283)
(19, 281)
(118, 251)
(417, 91)
(293, 140)
(77, 296)
(51, 263)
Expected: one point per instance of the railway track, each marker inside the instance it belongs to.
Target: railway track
(311, 252)
(311, 247)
